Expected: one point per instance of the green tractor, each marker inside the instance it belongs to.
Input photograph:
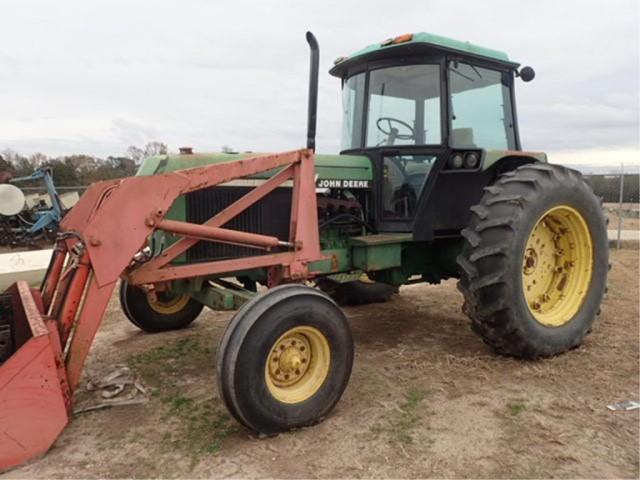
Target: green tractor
(431, 183)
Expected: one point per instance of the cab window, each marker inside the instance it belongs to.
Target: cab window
(481, 110)
(403, 180)
(404, 106)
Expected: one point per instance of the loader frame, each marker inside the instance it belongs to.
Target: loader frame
(54, 326)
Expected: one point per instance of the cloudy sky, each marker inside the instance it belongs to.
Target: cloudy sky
(97, 76)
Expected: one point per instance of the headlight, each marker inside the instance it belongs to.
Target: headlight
(456, 160)
(471, 160)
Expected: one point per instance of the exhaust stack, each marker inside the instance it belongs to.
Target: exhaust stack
(312, 109)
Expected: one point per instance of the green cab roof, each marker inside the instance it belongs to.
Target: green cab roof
(419, 43)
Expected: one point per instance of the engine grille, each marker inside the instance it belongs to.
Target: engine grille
(269, 216)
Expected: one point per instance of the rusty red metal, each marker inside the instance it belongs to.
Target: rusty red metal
(218, 234)
(99, 239)
(34, 398)
(216, 267)
(53, 275)
(73, 297)
(224, 216)
(89, 319)
(304, 235)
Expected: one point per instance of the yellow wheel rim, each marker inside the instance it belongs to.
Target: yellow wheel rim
(364, 278)
(557, 266)
(166, 304)
(298, 364)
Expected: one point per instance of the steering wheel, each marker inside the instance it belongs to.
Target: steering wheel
(390, 121)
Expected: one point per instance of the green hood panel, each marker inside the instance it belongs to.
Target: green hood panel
(328, 167)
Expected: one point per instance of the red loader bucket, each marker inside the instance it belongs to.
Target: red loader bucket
(34, 396)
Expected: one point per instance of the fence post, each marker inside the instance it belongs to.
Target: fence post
(620, 205)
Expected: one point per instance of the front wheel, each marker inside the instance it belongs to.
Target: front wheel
(168, 312)
(535, 261)
(284, 359)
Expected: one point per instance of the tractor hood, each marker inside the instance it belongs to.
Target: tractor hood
(333, 171)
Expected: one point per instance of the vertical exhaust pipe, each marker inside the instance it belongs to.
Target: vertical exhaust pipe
(312, 109)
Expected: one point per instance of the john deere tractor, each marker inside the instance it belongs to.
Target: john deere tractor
(432, 183)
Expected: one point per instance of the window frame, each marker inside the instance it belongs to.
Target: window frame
(443, 60)
(367, 101)
(510, 86)
(368, 67)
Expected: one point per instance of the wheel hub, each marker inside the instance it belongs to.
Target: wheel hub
(298, 364)
(168, 304)
(289, 360)
(557, 265)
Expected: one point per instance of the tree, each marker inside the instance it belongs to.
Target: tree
(6, 170)
(138, 154)
(135, 153)
(5, 165)
(20, 164)
(75, 170)
(64, 173)
(155, 148)
(38, 159)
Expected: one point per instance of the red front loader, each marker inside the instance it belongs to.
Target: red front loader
(46, 333)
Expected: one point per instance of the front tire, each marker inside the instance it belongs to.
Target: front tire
(284, 359)
(534, 262)
(168, 312)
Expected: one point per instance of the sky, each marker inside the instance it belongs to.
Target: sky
(98, 76)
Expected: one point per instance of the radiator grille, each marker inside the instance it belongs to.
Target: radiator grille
(269, 216)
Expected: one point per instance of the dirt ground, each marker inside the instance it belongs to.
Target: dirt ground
(627, 223)
(426, 399)
(630, 215)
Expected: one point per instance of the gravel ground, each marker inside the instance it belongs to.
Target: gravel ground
(427, 399)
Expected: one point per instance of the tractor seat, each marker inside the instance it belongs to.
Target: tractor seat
(463, 137)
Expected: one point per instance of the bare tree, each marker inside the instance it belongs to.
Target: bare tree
(138, 154)
(155, 148)
(135, 153)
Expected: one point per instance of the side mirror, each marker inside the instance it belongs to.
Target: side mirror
(527, 74)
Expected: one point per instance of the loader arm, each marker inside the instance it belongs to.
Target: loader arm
(51, 329)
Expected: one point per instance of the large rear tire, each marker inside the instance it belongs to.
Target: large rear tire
(168, 312)
(534, 262)
(284, 359)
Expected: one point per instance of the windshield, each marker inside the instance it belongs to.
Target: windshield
(481, 112)
(403, 107)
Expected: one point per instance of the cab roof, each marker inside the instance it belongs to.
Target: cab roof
(415, 44)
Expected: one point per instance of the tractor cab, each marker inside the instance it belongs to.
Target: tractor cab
(426, 110)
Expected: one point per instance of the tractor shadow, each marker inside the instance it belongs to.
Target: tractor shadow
(422, 316)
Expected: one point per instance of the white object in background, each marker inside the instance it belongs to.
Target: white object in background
(628, 405)
(11, 200)
(37, 200)
(30, 266)
(69, 199)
